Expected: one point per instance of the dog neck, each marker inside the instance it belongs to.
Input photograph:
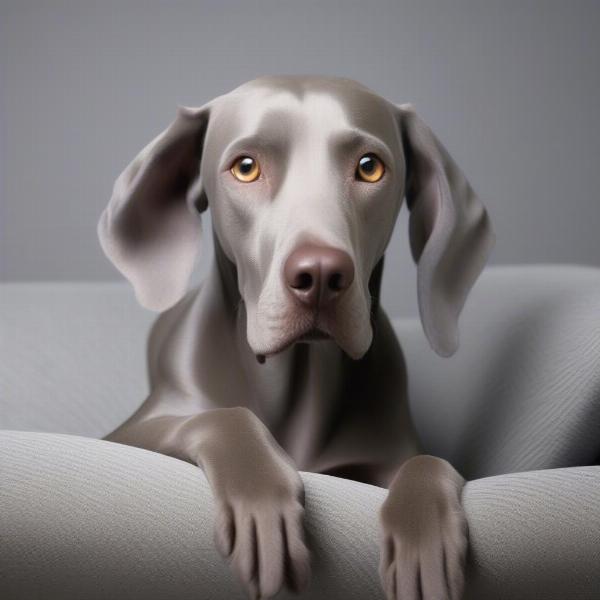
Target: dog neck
(300, 392)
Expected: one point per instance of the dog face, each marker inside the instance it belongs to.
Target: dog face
(304, 177)
(293, 207)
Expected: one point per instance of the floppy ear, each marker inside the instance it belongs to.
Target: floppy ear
(148, 230)
(450, 233)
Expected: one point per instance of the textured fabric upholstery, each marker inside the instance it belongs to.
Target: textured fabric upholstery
(83, 518)
(72, 356)
(523, 390)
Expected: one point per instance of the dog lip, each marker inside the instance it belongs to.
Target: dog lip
(313, 335)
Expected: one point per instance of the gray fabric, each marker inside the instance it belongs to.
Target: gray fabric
(83, 518)
(523, 390)
(72, 356)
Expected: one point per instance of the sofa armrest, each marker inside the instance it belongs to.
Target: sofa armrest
(534, 535)
(83, 518)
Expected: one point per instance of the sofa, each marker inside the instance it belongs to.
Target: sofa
(516, 410)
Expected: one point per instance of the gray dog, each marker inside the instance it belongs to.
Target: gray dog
(283, 359)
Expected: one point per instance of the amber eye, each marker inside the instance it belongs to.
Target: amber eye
(245, 169)
(370, 168)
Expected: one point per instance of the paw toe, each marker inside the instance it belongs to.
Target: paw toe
(224, 530)
(297, 555)
(454, 566)
(243, 557)
(432, 576)
(270, 554)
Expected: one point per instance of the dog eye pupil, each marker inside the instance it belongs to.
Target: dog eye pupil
(246, 165)
(367, 164)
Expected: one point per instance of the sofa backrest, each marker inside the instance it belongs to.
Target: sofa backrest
(523, 390)
(72, 356)
(521, 393)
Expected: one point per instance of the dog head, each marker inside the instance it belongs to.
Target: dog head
(304, 177)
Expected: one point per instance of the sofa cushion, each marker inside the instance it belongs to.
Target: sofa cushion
(83, 518)
(523, 390)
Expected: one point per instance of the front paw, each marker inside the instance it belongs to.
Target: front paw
(264, 541)
(424, 533)
(260, 501)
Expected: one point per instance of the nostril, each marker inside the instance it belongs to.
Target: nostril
(303, 281)
(335, 282)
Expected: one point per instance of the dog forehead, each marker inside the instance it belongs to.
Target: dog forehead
(295, 105)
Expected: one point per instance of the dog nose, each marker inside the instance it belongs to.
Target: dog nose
(317, 275)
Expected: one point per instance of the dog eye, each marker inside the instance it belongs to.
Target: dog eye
(245, 169)
(370, 168)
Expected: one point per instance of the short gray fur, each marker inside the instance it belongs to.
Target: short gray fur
(299, 252)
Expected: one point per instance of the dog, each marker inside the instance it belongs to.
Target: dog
(283, 360)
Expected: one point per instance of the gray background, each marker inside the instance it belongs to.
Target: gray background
(511, 88)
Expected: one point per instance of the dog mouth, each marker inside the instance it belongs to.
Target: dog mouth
(347, 324)
(311, 335)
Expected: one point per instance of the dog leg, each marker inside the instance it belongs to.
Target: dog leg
(258, 491)
(424, 532)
